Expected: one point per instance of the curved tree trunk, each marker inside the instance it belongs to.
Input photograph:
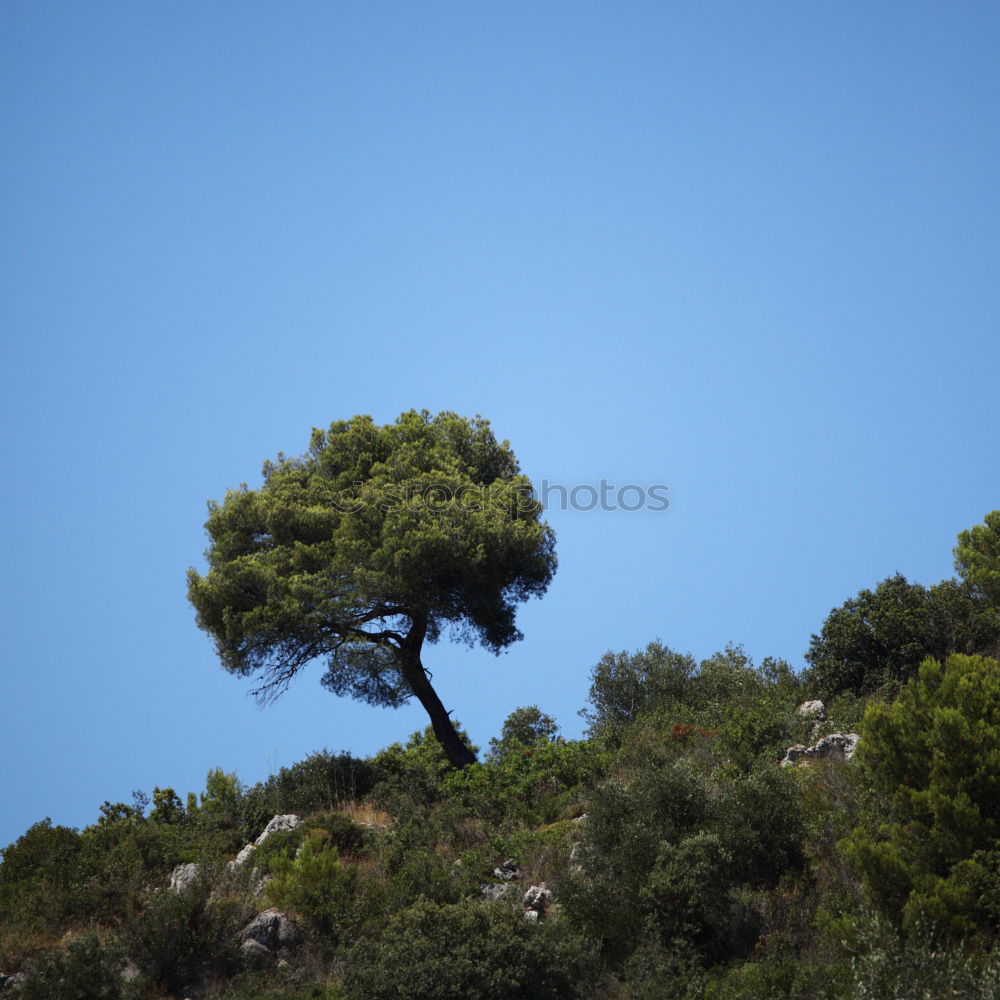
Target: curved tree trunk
(413, 670)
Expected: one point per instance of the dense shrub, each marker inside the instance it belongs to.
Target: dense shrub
(522, 728)
(624, 686)
(86, 970)
(469, 951)
(877, 640)
(934, 757)
(40, 877)
(180, 938)
(323, 781)
(526, 784)
(318, 887)
(888, 964)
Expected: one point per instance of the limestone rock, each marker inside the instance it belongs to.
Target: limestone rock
(836, 746)
(272, 929)
(287, 822)
(508, 871)
(536, 901)
(813, 710)
(10, 984)
(241, 859)
(183, 877)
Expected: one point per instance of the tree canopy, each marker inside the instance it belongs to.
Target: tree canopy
(878, 639)
(933, 756)
(977, 557)
(378, 539)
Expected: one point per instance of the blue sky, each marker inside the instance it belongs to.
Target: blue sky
(747, 250)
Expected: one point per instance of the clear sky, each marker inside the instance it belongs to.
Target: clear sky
(746, 250)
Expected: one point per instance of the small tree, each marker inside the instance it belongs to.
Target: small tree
(933, 757)
(523, 727)
(977, 557)
(377, 540)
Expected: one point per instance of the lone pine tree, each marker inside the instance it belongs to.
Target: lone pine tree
(376, 541)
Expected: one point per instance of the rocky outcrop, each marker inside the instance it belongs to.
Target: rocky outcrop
(269, 935)
(508, 871)
(536, 901)
(813, 710)
(836, 746)
(183, 877)
(288, 821)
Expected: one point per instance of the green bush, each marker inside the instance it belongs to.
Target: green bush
(627, 827)
(41, 884)
(625, 686)
(340, 830)
(469, 951)
(412, 775)
(760, 821)
(317, 886)
(769, 979)
(522, 728)
(934, 758)
(527, 784)
(888, 964)
(86, 970)
(180, 938)
(323, 781)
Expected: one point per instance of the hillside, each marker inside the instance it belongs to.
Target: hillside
(669, 854)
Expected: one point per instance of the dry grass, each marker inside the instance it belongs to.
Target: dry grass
(367, 815)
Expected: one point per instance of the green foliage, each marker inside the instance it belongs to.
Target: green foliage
(876, 641)
(725, 680)
(316, 885)
(180, 938)
(526, 784)
(469, 951)
(760, 820)
(626, 827)
(522, 728)
(40, 878)
(88, 969)
(414, 773)
(768, 979)
(624, 686)
(375, 540)
(934, 756)
(688, 891)
(167, 807)
(888, 964)
(666, 848)
(323, 781)
(977, 558)
(758, 733)
(121, 853)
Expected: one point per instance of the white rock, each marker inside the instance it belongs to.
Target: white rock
(272, 929)
(508, 871)
(240, 860)
(537, 899)
(183, 877)
(836, 746)
(813, 710)
(287, 822)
